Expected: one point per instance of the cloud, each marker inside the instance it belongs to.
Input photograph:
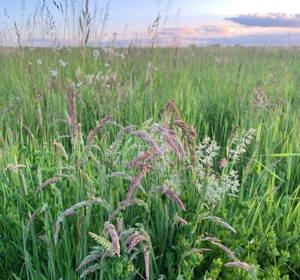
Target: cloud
(268, 20)
(179, 31)
(220, 29)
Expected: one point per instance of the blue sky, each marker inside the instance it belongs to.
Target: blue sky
(226, 22)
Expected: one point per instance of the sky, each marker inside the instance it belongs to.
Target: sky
(181, 22)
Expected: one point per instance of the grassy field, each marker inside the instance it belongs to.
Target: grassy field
(109, 166)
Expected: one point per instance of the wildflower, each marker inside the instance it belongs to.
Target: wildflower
(79, 84)
(156, 68)
(106, 65)
(122, 55)
(96, 54)
(39, 62)
(98, 75)
(69, 50)
(53, 73)
(89, 79)
(62, 63)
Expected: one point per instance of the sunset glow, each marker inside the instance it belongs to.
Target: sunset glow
(222, 22)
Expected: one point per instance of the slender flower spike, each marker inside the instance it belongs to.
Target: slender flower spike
(110, 228)
(39, 62)
(147, 251)
(137, 180)
(223, 162)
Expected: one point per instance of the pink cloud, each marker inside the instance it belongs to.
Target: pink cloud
(220, 29)
(185, 31)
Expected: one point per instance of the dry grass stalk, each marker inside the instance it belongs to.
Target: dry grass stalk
(23, 183)
(47, 182)
(137, 180)
(71, 210)
(16, 167)
(73, 111)
(182, 221)
(7, 109)
(146, 138)
(93, 133)
(232, 136)
(194, 161)
(110, 228)
(126, 176)
(119, 209)
(164, 189)
(175, 198)
(126, 130)
(147, 251)
(248, 268)
(90, 269)
(119, 225)
(45, 240)
(226, 250)
(171, 143)
(180, 148)
(167, 113)
(208, 238)
(57, 228)
(89, 259)
(191, 134)
(31, 220)
(135, 241)
(31, 134)
(148, 156)
(125, 203)
(221, 222)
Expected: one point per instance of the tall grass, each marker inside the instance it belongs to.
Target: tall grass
(86, 131)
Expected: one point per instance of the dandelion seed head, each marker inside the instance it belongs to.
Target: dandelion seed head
(96, 53)
(39, 62)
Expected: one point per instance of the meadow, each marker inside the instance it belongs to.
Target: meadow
(149, 163)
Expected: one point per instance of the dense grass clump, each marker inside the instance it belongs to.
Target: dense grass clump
(149, 163)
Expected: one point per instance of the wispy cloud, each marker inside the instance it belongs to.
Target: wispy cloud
(220, 29)
(179, 31)
(207, 30)
(268, 20)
